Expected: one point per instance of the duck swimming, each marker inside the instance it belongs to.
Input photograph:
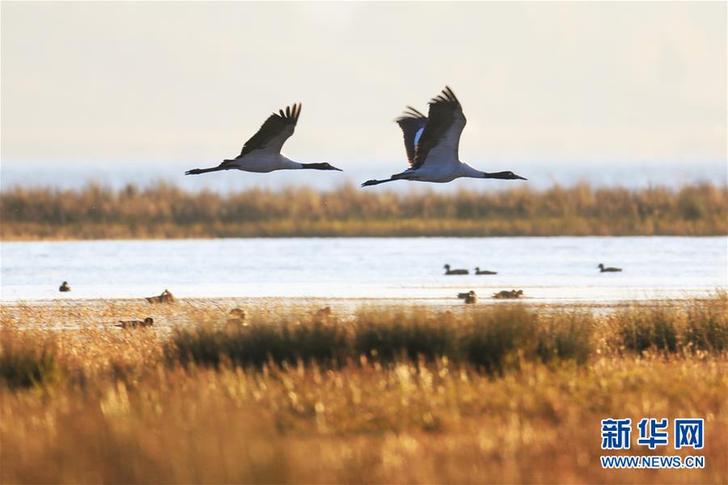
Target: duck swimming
(147, 322)
(449, 271)
(470, 297)
(607, 269)
(165, 297)
(484, 271)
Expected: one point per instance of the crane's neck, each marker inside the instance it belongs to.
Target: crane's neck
(288, 163)
(282, 162)
(468, 171)
(315, 166)
(497, 175)
(292, 164)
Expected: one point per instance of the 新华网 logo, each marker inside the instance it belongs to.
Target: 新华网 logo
(616, 434)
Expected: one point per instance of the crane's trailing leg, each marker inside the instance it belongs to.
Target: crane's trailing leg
(376, 182)
(399, 176)
(197, 171)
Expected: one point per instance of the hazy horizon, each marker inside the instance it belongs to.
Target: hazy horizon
(540, 175)
(630, 93)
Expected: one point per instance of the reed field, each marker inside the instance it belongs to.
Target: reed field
(271, 393)
(166, 211)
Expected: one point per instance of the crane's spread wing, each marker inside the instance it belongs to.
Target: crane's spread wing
(411, 122)
(441, 137)
(275, 131)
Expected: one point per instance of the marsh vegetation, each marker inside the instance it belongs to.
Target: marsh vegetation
(165, 211)
(388, 394)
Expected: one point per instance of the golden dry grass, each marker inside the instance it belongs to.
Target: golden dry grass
(165, 211)
(120, 408)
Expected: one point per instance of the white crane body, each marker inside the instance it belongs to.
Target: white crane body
(263, 161)
(262, 152)
(432, 143)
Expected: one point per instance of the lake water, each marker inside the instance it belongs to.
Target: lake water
(555, 269)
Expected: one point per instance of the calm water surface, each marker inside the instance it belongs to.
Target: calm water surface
(556, 269)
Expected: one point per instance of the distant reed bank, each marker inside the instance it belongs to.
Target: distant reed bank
(166, 211)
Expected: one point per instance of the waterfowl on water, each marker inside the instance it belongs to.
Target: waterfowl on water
(147, 322)
(449, 271)
(64, 287)
(165, 297)
(237, 317)
(262, 152)
(484, 271)
(323, 312)
(508, 294)
(607, 269)
(469, 297)
(432, 144)
(237, 313)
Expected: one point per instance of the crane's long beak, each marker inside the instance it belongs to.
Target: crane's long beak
(521, 178)
(335, 168)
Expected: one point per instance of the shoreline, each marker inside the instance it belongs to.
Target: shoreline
(39, 239)
(343, 305)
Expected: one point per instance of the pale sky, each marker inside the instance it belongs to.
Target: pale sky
(176, 83)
